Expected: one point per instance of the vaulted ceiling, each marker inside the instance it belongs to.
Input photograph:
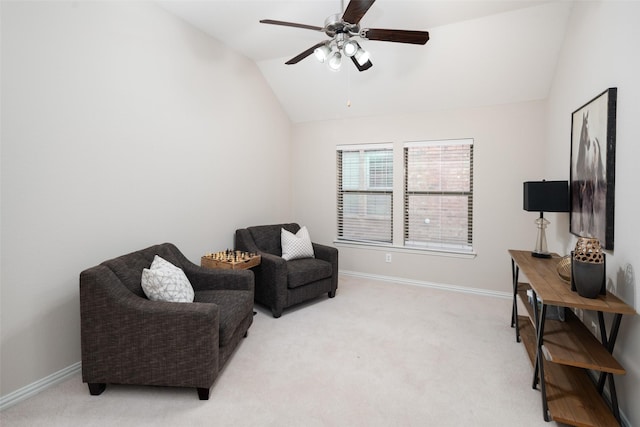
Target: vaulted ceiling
(479, 53)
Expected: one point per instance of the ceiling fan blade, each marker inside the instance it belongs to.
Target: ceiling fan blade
(356, 10)
(290, 24)
(398, 36)
(364, 67)
(304, 54)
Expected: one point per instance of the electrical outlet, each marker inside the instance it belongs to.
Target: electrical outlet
(387, 258)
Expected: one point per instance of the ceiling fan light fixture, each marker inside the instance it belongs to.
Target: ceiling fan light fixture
(322, 53)
(362, 56)
(335, 61)
(350, 48)
(340, 28)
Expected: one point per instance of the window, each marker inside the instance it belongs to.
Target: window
(365, 193)
(438, 194)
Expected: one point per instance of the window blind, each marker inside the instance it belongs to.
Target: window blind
(365, 193)
(438, 194)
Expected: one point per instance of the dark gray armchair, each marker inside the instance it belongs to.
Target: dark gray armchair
(280, 284)
(129, 339)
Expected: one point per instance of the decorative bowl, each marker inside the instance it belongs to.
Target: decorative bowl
(564, 268)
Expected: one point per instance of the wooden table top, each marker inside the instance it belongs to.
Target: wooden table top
(551, 289)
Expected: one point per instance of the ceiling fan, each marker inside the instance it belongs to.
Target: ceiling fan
(342, 30)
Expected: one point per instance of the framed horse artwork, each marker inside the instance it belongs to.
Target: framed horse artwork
(593, 161)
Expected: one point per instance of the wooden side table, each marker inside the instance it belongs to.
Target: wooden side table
(230, 260)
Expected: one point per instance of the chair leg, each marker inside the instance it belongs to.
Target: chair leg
(203, 393)
(332, 293)
(96, 389)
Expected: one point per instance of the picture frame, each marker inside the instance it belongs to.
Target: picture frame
(592, 170)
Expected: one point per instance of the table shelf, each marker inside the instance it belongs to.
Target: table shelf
(571, 395)
(571, 343)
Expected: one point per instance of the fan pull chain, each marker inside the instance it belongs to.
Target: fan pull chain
(348, 88)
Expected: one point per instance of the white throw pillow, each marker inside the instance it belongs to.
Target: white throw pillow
(295, 246)
(164, 281)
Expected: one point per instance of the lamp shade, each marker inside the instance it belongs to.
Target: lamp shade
(546, 196)
(335, 61)
(322, 53)
(350, 48)
(362, 56)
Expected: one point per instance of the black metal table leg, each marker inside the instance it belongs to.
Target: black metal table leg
(539, 363)
(535, 322)
(609, 343)
(515, 270)
(605, 343)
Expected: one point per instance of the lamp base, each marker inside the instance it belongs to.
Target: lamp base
(540, 254)
(540, 250)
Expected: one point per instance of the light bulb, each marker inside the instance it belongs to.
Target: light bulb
(335, 61)
(350, 48)
(362, 56)
(321, 53)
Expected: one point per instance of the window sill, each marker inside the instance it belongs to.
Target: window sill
(407, 250)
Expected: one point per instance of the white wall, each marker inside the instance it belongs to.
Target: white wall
(507, 152)
(122, 127)
(601, 51)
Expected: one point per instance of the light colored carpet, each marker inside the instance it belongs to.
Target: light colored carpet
(379, 354)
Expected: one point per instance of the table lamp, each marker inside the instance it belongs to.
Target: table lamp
(545, 196)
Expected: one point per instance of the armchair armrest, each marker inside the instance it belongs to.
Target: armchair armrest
(272, 271)
(273, 266)
(326, 253)
(207, 279)
(329, 254)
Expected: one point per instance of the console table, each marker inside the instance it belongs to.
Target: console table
(563, 352)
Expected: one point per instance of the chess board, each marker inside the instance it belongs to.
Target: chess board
(230, 260)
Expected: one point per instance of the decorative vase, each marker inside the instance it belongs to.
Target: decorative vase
(588, 268)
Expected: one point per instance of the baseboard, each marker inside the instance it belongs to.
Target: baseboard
(38, 386)
(442, 286)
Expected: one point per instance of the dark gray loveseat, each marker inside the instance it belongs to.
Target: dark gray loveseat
(279, 283)
(128, 339)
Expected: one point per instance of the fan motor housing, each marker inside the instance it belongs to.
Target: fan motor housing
(335, 25)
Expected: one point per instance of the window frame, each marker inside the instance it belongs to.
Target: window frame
(438, 244)
(398, 211)
(365, 190)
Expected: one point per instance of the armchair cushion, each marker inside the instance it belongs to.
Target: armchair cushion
(303, 271)
(233, 307)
